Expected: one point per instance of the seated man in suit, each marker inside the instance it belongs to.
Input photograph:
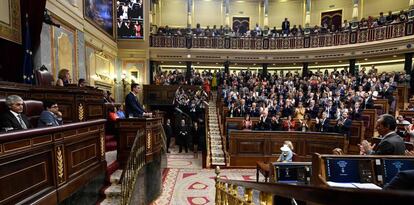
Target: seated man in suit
(14, 119)
(264, 121)
(391, 143)
(51, 116)
(343, 125)
(132, 106)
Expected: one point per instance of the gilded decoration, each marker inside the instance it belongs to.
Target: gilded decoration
(10, 21)
(102, 145)
(81, 112)
(59, 157)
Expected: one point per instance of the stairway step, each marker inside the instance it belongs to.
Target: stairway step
(116, 176)
(111, 201)
(110, 169)
(113, 191)
(111, 156)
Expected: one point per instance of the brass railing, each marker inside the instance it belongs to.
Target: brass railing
(227, 193)
(136, 161)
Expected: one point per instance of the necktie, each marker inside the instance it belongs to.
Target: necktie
(21, 122)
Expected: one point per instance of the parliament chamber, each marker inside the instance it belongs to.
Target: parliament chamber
(206, 102)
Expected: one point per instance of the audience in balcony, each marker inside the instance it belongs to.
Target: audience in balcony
(286, 30)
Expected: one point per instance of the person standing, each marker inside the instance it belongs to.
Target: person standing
(183, 136)
(132, 106)
(50, 116)
(169, 133)
(285, 26)
(390, 144)
(14, 119)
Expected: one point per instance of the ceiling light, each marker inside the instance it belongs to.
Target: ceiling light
(394, 56)
(366, 59)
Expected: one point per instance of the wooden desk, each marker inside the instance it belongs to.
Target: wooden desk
(47, 165)
(127, 130)
(357, 130)
(372, 165)
(247, 147)
(76, 104)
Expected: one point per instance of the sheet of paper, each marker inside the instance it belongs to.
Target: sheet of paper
(342, 185)
(366, 186)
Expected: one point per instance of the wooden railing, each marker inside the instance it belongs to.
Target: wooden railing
(297, 42)
(76, 104)
(227, 194)
(48, 165)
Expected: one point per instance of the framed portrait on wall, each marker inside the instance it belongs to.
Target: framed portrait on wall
(100, 13)
(130, 19)
(10, 23)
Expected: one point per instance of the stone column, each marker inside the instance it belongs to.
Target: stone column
(189, 13)
(188, 71)
(355, 16)
(264, 69)
(307, 17)
(352, 66)
(305, 69)
(411, 10)
(408, 64)
(227, 12)
(266, 13)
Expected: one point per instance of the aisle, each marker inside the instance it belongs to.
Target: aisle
(187, 183)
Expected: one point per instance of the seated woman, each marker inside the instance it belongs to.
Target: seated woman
(287, 152)
(247, 123)
(112, 114)
(63, 78)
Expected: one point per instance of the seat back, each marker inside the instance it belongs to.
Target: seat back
(43, 77)
(32, 109)
(3, 106)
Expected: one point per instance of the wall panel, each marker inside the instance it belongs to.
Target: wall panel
(279, 10)
(245, 9)
(208, 13)
(320, 6)
(174, 13)
(374, 7)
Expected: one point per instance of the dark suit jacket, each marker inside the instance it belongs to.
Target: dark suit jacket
(390, 145)
(323, 127)
(285, 25)
(48, 119)
(8, 120)
(266, 125)
(132, 106)
(368, 104)
(404, 180)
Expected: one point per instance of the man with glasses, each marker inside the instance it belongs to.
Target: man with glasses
(14, 119)
(51, 116)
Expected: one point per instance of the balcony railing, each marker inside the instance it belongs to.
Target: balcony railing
(296, 42)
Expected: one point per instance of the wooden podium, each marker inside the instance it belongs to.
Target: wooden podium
(130, 128)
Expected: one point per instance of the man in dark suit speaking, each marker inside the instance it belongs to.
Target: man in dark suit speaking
(14, 119)
(391, 143)
(132, 106)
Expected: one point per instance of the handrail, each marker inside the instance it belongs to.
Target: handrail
(136, 161)
(291, 42)
(226, 193)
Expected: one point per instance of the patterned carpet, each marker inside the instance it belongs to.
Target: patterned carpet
(185, 182)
